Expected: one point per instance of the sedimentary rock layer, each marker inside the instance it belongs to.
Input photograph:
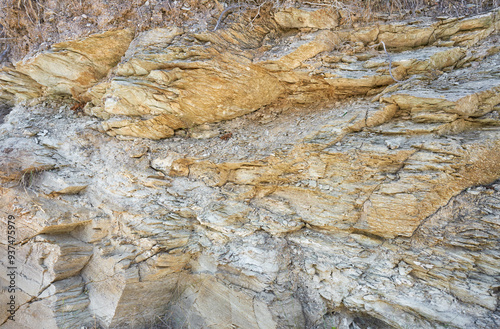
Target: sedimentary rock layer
(272, 176)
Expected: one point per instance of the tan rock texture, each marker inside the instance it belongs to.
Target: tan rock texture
(72, 67)
(272, 175)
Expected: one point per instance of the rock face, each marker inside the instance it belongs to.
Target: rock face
(72, 67)
(268, 177)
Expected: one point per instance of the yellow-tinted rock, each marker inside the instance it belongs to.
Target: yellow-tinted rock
(301, 214)
(72, 67)
(325, 18)
(394, 37)
(16, 86)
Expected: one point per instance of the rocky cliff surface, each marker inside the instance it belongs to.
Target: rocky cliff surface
(290, 173)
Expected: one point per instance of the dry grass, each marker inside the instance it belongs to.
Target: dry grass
(28, 179)
(445, 7)
(33, 25)
(363, 11)
(367, 10)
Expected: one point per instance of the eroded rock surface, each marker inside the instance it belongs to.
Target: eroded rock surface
(74, 66)
(287, 180)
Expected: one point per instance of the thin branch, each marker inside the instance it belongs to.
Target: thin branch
(258, 13)
(231, 8)
(390, 62)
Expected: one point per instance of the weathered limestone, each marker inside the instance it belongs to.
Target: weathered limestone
(64, 302)
(170, 79)
(301, 186)
(175, 95)
(50, 267)
(22, 159)
(72, 67)
(15, 86)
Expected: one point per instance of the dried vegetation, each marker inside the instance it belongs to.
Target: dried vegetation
(28, 26)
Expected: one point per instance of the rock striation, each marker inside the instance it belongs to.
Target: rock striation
(290, 174)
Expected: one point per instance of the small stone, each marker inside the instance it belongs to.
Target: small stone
(393, 144)
(139, 152)
(203, 134)
(349, 59)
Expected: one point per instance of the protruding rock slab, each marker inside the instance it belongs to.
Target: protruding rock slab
(21, 159)
(72, 67)
(16, 86)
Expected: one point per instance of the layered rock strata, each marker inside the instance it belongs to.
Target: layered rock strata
(287, 180)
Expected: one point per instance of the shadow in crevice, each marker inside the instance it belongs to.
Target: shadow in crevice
(4, 110)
